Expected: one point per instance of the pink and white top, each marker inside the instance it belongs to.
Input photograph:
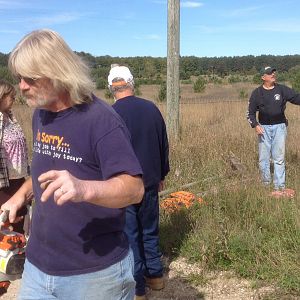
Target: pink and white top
(14, 144)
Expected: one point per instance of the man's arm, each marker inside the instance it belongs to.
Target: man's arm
(252, 109)
(21, 198)
(290, 95)
(165, 165)
(117, 192)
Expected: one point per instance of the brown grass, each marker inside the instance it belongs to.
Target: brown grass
(211, 126)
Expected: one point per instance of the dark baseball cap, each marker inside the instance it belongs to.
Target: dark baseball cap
(267, 70)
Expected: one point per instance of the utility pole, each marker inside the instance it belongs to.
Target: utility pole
(173, 69)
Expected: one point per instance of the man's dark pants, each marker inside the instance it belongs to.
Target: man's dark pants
(142, 221)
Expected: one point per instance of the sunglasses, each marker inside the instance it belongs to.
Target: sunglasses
(28, 80)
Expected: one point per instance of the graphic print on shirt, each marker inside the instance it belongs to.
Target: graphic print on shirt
(54, 146)
(277, 97)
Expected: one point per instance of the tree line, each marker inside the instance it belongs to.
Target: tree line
(153, 70)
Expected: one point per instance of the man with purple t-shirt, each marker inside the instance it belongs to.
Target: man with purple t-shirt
(84, 173)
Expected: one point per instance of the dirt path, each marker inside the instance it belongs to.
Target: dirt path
(220, 286)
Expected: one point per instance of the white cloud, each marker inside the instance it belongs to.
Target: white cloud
(8, 31)
(242, 12)
(160, 2)
(191, 4)
(185, 4)
(61, 18)
(6, 4)
(284, 26)
(148, 37)
(281, 26)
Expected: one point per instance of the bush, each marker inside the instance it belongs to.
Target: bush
(199, 85)
(234, 79)
(162, 95)
(243, 94)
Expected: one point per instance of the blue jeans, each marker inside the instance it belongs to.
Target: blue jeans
(112, 283)
(272, 145)
(142, 222)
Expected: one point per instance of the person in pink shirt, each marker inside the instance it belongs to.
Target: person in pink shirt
(14, 167)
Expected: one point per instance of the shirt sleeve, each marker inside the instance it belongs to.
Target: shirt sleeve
(165, 166)
(290, 95)
(116, 155)
(252, 109)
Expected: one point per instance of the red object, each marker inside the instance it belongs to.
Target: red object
(286, 193)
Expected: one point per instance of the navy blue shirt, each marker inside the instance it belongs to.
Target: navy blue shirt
(148, 136)
(92, 143)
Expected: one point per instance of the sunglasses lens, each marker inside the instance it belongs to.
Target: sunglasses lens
(28, 80)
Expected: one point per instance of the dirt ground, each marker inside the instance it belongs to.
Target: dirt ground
(220, 286)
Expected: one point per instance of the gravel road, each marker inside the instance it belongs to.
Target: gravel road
(220, 286)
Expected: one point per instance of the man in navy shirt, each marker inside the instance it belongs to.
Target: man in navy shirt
(150, 143)
(270, 101)
(84, 173)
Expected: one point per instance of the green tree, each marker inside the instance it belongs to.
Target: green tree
(101, 83)
(6, 75)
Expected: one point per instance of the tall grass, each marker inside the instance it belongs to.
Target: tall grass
(240, 228)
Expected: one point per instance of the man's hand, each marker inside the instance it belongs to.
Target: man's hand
(13, 205)
(161, 186)
(63, 186)
(117, 192)
(259, 130)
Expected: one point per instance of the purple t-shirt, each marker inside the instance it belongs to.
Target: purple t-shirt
(92, 143)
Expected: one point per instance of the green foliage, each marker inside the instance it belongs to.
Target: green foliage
(199, 85)
(257, 79)
(234, 79)
(296, 82)
(150, 68)
(6, 75)
(137, 90)
(189, 81)
(162, 94)
(214, 79)
(243, 94)
(101, 83)
(246, 231)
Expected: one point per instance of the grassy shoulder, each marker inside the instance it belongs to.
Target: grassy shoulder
(243, 230)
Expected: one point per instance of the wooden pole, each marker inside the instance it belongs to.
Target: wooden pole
(173, 69)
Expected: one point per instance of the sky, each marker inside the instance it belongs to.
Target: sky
(122, 28)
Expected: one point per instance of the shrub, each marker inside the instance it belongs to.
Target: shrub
(162, 95)
(199, 85)
(243, 94)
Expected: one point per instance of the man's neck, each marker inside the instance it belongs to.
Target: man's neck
(62, 102)
(123, 94)
(268, 86)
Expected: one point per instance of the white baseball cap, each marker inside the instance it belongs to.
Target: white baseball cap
(120, 72)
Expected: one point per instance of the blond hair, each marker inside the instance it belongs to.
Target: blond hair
(44, 53)
(5, 89)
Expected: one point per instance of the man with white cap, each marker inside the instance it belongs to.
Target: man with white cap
(150, 143)
(270, 101)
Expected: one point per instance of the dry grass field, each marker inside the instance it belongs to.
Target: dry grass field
(241, 229)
